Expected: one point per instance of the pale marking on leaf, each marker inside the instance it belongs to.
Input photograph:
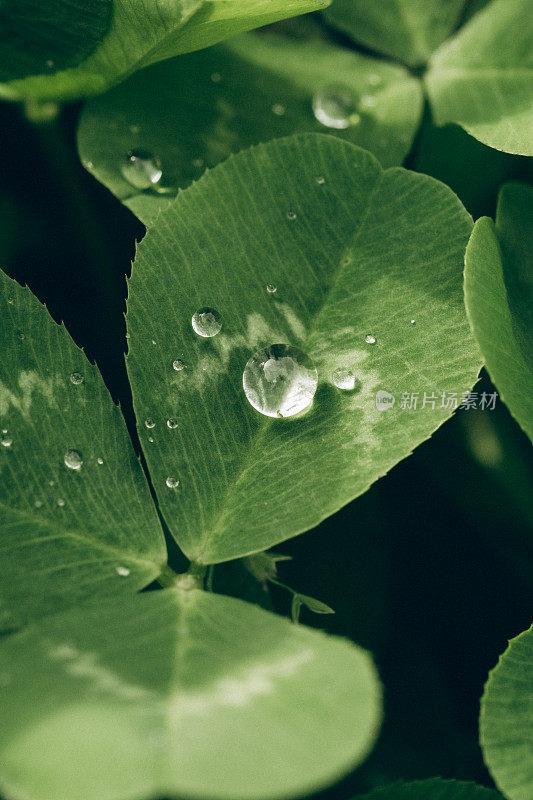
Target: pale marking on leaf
(29, 382)
(239, 691)
(293, 320)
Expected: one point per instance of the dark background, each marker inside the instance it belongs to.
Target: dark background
(431, 569)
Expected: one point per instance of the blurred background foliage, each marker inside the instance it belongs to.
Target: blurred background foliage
(431, 568)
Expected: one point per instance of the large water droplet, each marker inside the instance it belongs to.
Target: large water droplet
(344, 379)
(178, 365)
(369, 339)
(335, 106)
(172, 483)
(76, 378)
(280, 381)
(141, 169)
(172, 423)
(73, 459)
(206, 322)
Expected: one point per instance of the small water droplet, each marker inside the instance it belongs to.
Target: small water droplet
(206, 322)
(38, 504)
(271, 288)
(291, 215)
(51, 483)
(100, 461)
(10, 301)
(6, 440)
(280, 381)
(76, 378)
(373, 79)
(172, 483)
(60, 502)
(73, 459)
(344, 379)
(198, 162)
(216, 77)
(141, 169)
(151, 439)
(178, 365)
(369, 339)
(278, 109)
(172, 423)
(154, 341)
(122, 571)
(149, 422)
(135, 129)
(321, 180)
(335, 106)
(21, 334)
(49, 63)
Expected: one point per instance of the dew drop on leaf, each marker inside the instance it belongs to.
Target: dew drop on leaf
(374, 79)
(369, 339)
(206, 322)
(278, 109)
(413, 322)
(335, 106)
(73, 459)
(291, 215)
(6, 440)
(172, 483)
(271, 289)
(60, 502)
(344, 379)
(100, 461)
(280, 381)
(141, 169)
(321, 180)
(122, 571)
(76, 378)
(178, 365)
(172, 423)
(149, 422)
(368, 101)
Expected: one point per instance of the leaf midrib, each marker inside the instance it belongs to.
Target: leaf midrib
(263, 429)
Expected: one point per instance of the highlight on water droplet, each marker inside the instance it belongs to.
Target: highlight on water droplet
(73, 459)
(280, 381)
(321, 180)
(413, 322)
(206, 322)
(122, 571)
(369, 339)
(172, 423)
(60, 502)
(344, 379)
(271, 288)
(291, 215)
(99, 461)
(6, 440)
(278, 109)
(172, 483)
(178, 365)
(335, 106)
(76, 378)
(149, 422)
(142, 169)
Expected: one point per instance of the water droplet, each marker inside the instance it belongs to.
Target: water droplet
(321, 180)
(206, 322)
(178, 365)
(73, 459)
(291, 215)
(60, 502)
(141, 169)
(172, 483)
(172, 423)
(51, 483)
(10, 301)
(271, 289)
(413, 322)
(21, 334)
(369, 339)
(122, 571)
(278, 109)
(216, 77)
(151, 439)
(6, 440)
(368, 101)
(280, 381)
(335, 106)
(344, 379)
(38, 504)
(374, 79)
(135, 129)
(100, 461)
(76, 378)
(149, 422)
(50, 64)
